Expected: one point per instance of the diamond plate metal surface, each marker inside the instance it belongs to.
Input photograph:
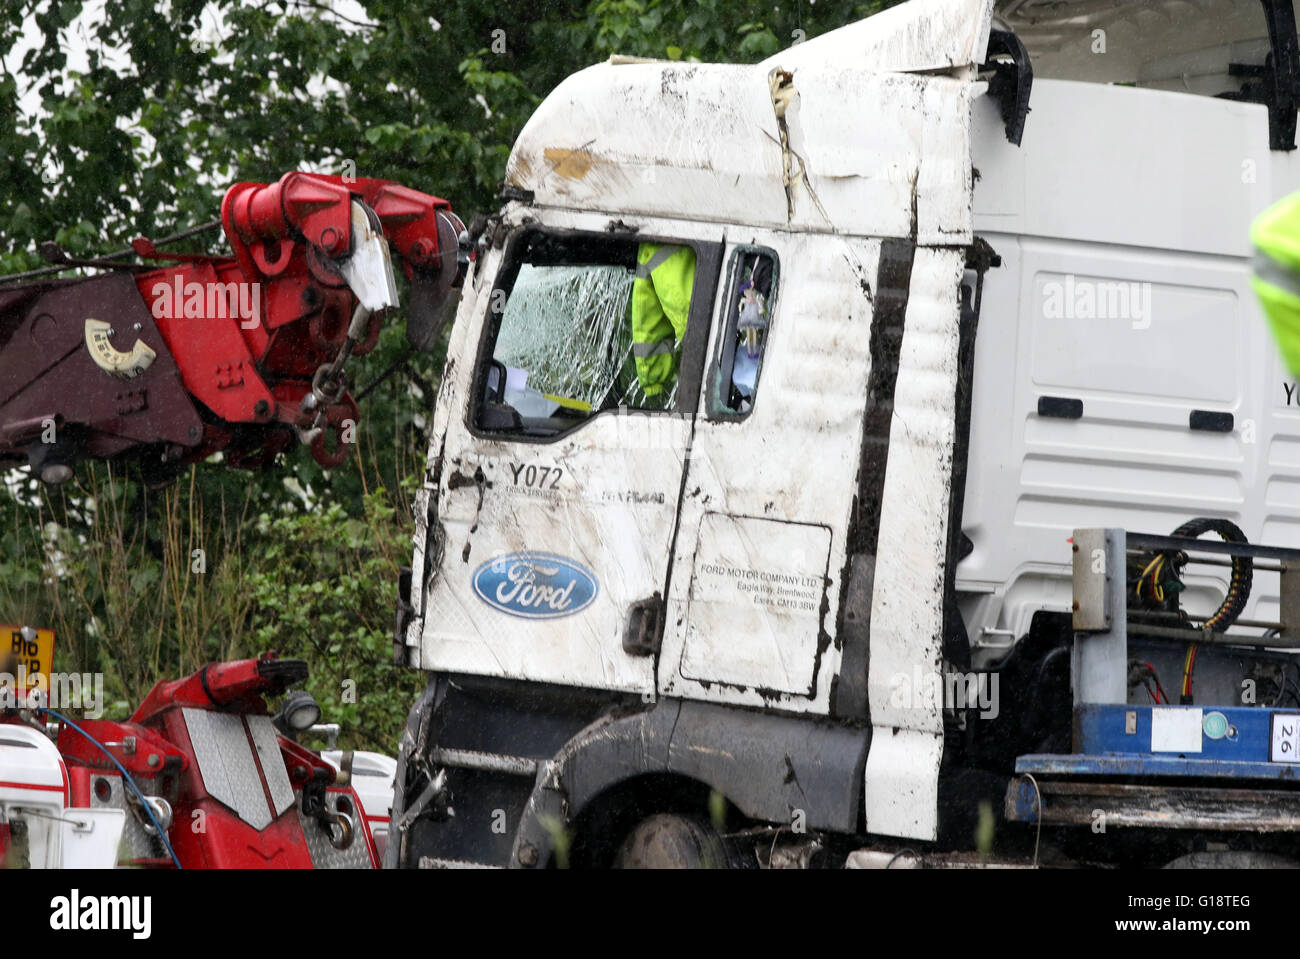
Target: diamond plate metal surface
(136, 842)
(324, 855)
(267, 742)
(227, 765)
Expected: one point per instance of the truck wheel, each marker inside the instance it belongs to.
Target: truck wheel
(668, 841)
(1232, 859)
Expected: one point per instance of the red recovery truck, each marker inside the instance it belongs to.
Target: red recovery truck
(165, 364)
(201, 776)
(240, 354)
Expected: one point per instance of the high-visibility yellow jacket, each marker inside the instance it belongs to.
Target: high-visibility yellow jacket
(1276, 236)
(661, 304)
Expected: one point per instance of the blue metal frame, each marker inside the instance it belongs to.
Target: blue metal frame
(1106, 747)
(1109, 751)
(1113, 740)
(1148, 766)
(1101, 730)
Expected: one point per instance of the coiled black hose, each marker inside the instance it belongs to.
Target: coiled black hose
(1243, 569)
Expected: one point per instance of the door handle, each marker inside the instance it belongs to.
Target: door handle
(644, 630)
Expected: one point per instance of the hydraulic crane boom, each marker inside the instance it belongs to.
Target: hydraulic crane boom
(244, 354)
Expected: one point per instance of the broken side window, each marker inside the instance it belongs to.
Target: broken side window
(746, 325)
(582, 324)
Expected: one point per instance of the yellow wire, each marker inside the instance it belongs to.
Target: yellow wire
(1137, 591)
(1187, 666)
(1154, 567)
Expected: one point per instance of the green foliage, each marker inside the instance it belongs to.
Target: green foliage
(327, 596)
(113, 569)
(173, 106)
(143, 587)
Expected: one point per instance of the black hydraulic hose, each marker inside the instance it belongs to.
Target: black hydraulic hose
(1239, 583)
(1243, 569)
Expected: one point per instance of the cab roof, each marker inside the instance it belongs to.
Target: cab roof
(773, 144)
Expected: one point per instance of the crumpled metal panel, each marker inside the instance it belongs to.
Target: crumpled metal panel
(705, 142)
(902, 777)
(267, 742)
(905, 169)
(226, 764)
(914, 36)
(323, 854)
(656, 138)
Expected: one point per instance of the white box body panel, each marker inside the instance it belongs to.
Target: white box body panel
(1134, 298)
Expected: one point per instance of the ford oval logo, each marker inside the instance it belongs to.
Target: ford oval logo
(535, 585)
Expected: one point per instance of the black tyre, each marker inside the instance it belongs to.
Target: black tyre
(670, 841)
(1232, 859)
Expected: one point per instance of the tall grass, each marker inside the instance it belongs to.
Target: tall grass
(148, 585)
(136, 584)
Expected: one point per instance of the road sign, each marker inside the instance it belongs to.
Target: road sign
(33, 650)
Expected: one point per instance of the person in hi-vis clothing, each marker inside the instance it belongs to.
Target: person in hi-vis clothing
(661, 304)
(1275, 235)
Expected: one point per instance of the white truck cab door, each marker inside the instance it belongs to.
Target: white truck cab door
(772, 474)
(560, 478)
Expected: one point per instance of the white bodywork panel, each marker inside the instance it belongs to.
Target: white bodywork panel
(34, 778)
(656, 139)
(91, 838)
(922, 35)
(1173, 327)
(704, 142)
(907, 604)
(901, 168)
(793, 460)
(34, 790)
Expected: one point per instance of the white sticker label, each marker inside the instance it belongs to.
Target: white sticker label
(1176, 729)
(1284, 741)
(755, 603)
(125, 366)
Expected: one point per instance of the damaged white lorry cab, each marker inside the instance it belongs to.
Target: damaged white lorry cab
(811, 438)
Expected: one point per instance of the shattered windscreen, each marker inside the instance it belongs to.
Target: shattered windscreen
(566, 340)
